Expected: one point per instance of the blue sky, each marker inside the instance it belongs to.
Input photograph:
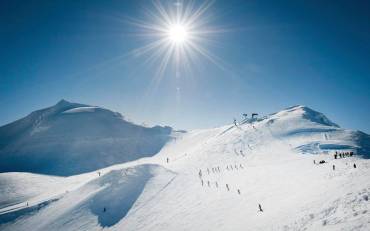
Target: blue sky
(276, 54)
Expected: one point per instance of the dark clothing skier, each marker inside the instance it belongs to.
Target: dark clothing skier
(260, 207)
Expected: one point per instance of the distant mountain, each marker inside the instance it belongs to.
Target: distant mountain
(312, 132)
(71, 138)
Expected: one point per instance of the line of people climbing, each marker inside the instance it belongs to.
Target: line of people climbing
(227, 186)
(215, 183)
(217, 169)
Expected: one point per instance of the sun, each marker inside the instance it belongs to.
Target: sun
(177, 36)
(177, 33)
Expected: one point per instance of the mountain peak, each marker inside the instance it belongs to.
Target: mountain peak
(65, 105)
(63, 101)
(308, 114)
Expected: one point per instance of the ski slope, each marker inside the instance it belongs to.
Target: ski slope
(268, 161)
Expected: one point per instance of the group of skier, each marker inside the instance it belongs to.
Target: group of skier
(342, 154)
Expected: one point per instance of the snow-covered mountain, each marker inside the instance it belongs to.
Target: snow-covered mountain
(211, 179)
(70, 138)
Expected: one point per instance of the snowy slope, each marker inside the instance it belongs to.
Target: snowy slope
(71, 138)
(270, 162)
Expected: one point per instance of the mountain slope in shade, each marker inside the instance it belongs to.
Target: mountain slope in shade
(71, 138)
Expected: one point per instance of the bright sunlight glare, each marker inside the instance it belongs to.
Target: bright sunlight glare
(177, 33)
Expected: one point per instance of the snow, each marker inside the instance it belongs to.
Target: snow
(57, 140)
(270, 161)
(81, 110)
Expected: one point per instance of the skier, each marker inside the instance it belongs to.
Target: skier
(354, 166)
(335, 156)
(235, 123)
(227, 186)
(99, 173)
(260, 207)
(168, 160)
(239, 191)
(314, 162)
(333, 167)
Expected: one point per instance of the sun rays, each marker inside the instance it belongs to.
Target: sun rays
(177, 35)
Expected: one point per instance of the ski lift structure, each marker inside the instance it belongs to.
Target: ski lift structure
(254, 117)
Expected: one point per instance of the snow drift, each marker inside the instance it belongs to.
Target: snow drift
(71, 138)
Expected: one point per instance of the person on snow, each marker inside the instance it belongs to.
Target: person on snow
(227, 186)
(168, 160)
(202, 182)
(260, 207)
(239, 191)
(354, 166)
(333, 167)
(235, 122)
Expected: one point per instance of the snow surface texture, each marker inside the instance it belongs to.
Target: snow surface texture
(211, 179)
(71, 138)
